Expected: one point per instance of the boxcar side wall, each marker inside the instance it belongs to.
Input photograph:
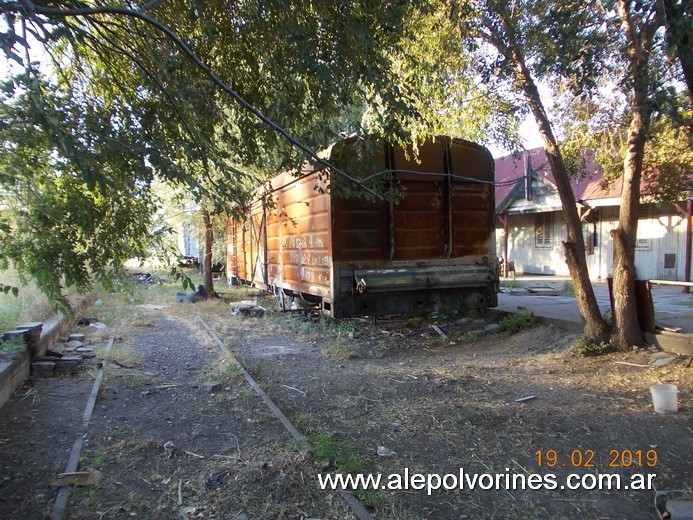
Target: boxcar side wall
(284, 244)
(299, 243)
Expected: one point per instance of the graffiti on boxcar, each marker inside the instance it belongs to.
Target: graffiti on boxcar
(309, 241)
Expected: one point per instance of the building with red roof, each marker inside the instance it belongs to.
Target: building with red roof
(531, 224)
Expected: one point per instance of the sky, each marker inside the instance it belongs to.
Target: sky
(529, 133)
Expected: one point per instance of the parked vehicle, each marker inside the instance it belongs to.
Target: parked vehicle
(315, 235)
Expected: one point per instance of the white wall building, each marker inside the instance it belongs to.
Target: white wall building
(530, 214)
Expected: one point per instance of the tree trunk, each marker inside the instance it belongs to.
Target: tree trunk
(627, 330)
(207, 279)
(596, 330)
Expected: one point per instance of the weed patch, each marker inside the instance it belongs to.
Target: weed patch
(514, 323)
(467, 337)
(338, 349)
(344, 456)
(11, 347)
(226, 369)
(585, 348)
(568, 289)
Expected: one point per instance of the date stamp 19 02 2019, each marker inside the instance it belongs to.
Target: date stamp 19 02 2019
(587, 458)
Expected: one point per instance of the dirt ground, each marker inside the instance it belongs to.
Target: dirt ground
(166, 448)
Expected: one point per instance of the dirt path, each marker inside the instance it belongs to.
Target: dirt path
(165, 447)
(168, 449)
(442, 407)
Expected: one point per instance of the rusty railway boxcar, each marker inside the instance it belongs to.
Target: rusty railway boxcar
(429, 247)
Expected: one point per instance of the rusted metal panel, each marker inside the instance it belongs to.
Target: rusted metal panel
(420, 221)
(431, 249)
(360, 229)
(472, 220)
(299, 244)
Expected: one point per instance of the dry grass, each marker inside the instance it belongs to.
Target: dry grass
(439, 406)
(28, 305)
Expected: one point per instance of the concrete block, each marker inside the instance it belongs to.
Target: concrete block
(211, 387)
(680, 509)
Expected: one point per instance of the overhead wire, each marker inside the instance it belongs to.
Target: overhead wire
(109, 10)
(86, 12)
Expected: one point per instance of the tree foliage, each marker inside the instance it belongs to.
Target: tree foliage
(208, 95)
(75, 188)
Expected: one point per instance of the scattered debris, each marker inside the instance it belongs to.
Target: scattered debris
(526, 398)
(98, 325)
(77, 478)
(247, 308)
(194, 455)
(144, 277)
(87, 320)
(440, 332)
(169, 449)
(543, 290)
(215, 481)
(296, 389)
(661, 361)
(76, 337)
(386, 452)
(200, 294)
(210, 387)
(630, 364)
(661, 326)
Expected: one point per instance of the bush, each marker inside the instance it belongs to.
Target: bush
(467, 337)
(585, 348)
(514, 323)
(568, 289)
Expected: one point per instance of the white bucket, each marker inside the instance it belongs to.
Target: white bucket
(665, 398)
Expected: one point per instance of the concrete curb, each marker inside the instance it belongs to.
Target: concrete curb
(13, 373)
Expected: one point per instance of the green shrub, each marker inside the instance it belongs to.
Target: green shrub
(10, 347)
(585, 348)
(514, 323)
(568, 289)
(344, 456)
(467, 337)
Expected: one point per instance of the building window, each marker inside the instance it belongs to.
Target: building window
(643, 241)
(589, 235)
(543, 230)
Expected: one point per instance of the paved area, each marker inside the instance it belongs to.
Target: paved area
(673, 307)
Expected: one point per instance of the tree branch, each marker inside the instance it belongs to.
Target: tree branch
(120, 11)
